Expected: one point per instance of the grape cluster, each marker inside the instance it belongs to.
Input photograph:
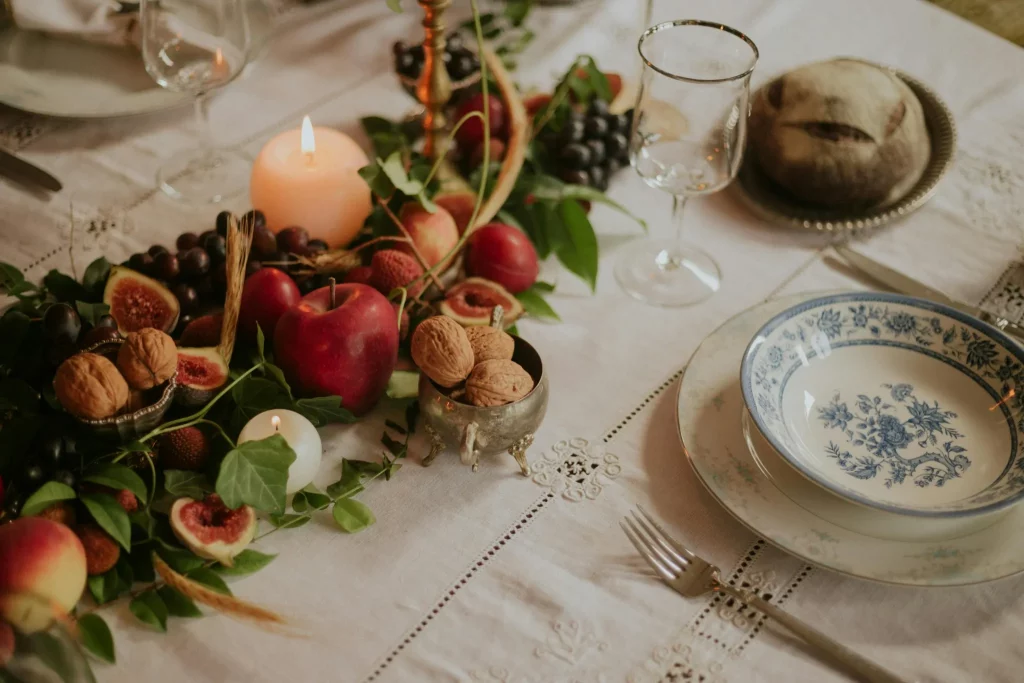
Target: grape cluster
(52, 457)
(196, 272)
(591, 145)
(460, 62)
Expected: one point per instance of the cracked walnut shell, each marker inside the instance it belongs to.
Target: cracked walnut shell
(497, 382)
(490, 343)
(90, 387)
(147, 358)
(441, 349)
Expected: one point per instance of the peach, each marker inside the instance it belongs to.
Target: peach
(434, 234)
(42, 569)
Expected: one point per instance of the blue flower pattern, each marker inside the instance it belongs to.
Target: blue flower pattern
(877, 428)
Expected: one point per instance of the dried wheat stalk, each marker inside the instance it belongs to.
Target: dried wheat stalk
(239, 242)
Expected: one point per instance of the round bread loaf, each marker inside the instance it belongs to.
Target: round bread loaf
(840, 134)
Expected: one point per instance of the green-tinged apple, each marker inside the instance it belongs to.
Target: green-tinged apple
(42, 570)
(349, 350)
(266, 296)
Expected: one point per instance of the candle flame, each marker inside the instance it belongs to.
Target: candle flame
(308, 142)
(276, 421)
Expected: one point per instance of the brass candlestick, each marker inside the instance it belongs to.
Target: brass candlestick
(434, 88)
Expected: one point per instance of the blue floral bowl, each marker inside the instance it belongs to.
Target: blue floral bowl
(892, 402)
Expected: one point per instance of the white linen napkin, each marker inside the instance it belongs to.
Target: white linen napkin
(92, 20)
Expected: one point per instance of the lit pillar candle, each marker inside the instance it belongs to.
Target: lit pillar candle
(308, 178)
(300, 434)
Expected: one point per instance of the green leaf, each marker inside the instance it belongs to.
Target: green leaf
(315, 498)
(394, 5)
(255, 473)
(261, 343)
(96, 275)
(395, 447)
(9, 276)
(363, 466)
(278, 375)
(150, 609)
(289, 521)
(246, 562)
(579, 254)
(254, 395)
(179, 559)
(46, 495)
(516, 11)
(111, 517)
(352, 516)
(598, 81)
(178, 604)
(17, 394)
(119, 477)
(545, 187)
(374, 125)
(513, 330)
(394, 169)
(96, 637)
(348, 485)
(136, 447)
(106, 586)
(143, 520)
(141, 560)
(13, 328)
(91, 313)
(534, 304)
(324, 410)
(55, 653)
(64, 287)
(543, 287)
(403, 384)
(181, 483)
(210, 579)
(378, 181)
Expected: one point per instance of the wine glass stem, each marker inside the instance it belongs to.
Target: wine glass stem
(675, 257)
(203, 122)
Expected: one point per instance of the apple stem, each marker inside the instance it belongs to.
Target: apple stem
(332, 285)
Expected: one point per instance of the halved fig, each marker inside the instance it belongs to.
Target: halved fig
(137, 301)
(471, 302)
(211, 529)
(201, 373)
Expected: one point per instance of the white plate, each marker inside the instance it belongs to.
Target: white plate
(76, 79)
(710, 406)
(900, 404)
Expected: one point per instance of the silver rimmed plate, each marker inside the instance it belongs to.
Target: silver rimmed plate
(710, 406)
(896, 403)
(767, 199)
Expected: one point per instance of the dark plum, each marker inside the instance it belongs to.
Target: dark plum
(213, 287)
(598, 179)
(166, 267)
(576, 177)
(576, 156)
(264, 243)
(216, 247)
(617, 123)
(188, 297)
(598, 107)
(293, 241)
(195, 263)
(61, 323)
(617, 147)
(597, 152)
(596, 128)
(156, 250)
(50, 451)
(256, 217)
(223, 218)
(186, 241)
(252, 267)
(142, 262)
(66, 477)
(97, 335)
(106, 321)
(33, 476)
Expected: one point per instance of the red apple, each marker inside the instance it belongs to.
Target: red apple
(42, 569)
(348, 351)
(265, 298)
(503, 254)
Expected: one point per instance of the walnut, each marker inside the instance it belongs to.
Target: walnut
(490, 343)
(497, 382)
(89, 386)
(147, 358)
(441, 349)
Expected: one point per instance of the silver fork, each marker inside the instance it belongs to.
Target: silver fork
(690, 576)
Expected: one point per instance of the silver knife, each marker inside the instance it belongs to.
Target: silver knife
(21, 170)
(899, 282)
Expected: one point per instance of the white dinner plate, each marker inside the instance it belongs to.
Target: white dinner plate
(710, 406)
(77, 79)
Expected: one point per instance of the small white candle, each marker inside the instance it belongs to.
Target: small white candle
(300, 434)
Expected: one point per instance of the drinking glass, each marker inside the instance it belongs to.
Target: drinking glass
(689, 130)
(195, 47)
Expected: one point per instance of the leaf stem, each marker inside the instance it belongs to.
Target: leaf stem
(199, 415)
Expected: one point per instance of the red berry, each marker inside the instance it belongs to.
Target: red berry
(471, 134)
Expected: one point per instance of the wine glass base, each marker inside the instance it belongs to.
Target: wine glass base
(204, 176)
(662, 273)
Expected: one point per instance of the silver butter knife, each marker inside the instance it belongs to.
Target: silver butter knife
(22, 171)
(902, 284)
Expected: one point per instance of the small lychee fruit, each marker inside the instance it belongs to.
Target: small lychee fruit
(101, 551)
(393, 269)
(127, 500)
(359, 275)
(62, 513)
(187, 448)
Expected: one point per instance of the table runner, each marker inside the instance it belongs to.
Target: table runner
(490, 576)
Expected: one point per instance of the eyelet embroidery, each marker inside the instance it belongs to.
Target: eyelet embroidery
(576, 469)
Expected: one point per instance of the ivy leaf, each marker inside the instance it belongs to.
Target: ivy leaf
(348, 485)
(91, 313)
(246, 562)
(289, 521)
(111, 517)
(278, 375)
(96, 275)
(378, 181)
(106, 586)
(179, 559)
(10, 276)
(178, 604)
(579, 254)
(261, 343)
(46, 495)
(310, 499)
(64, 287)
(403, 384)
(254, 395)
(352, 516)
(394, 169)
(150, 609)
(96, 637)
(210, 579)
(324, 410)
(119, 477)
(534, 304)
(54, 653)
(181, 483)
(255, 473)
(363, 466)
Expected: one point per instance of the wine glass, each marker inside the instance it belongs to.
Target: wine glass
(195, 47)
(689, 129)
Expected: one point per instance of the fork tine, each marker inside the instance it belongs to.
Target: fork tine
(677, 567)
(656, 565)
(668, 537)
(658, 537)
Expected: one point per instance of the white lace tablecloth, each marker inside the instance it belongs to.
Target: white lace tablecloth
(492, 577)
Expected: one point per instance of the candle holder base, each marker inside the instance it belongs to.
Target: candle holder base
(201, 176)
